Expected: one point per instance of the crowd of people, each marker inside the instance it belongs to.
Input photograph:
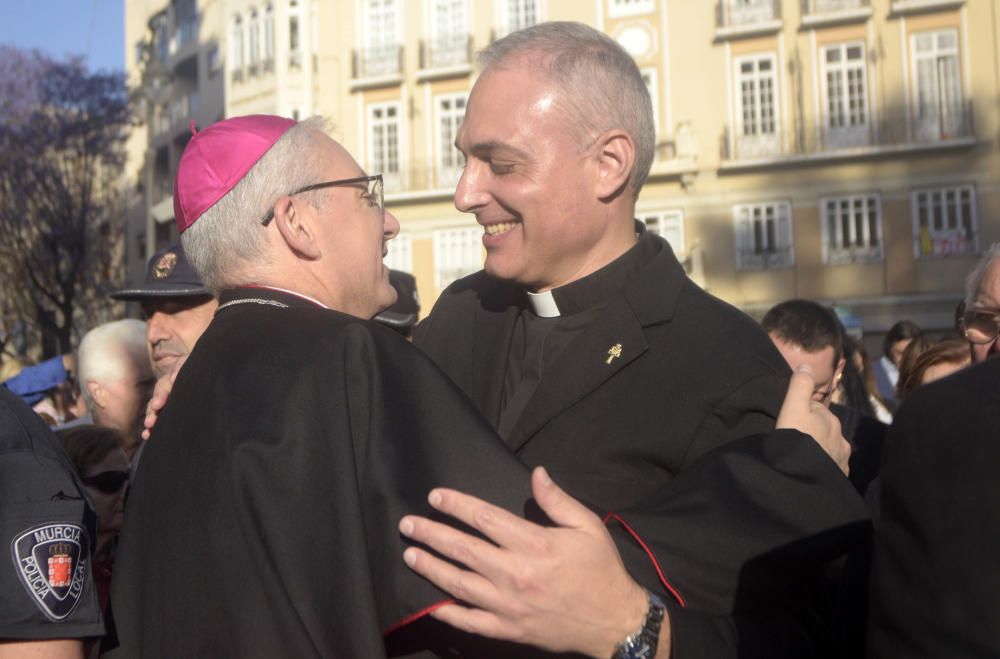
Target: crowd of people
(577, 451)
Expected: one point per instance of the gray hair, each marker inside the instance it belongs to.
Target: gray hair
(602, 83)
(226, 244)
(975, 279)
(105, 350)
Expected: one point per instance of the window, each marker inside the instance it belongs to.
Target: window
(269, 34)
(214, 63)
(186, 21)
(764, 236)
(237, 45)
(944, 221)
(618, 8)
(846, 120)
(448, 45)
(757, 116)
(852, 229)
(669, 225)
(450, 112)
(457, 253)
(253, 39)
(381, 49)
(400, 256)
(517, 15)
(383, 143)
(939, 89)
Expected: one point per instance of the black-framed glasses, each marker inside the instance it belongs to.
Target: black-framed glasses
(981, 325)
(109, 482)
(374, 195)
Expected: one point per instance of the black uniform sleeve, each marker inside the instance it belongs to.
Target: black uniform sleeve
(47, 528)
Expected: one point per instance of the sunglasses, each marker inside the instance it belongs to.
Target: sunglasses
(109, 482)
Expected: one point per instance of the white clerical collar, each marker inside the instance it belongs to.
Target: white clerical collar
(544, 304)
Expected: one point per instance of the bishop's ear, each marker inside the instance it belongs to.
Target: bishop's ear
(615, 157)
(296, 226)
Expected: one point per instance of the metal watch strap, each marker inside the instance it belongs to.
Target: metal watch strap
(642, 644)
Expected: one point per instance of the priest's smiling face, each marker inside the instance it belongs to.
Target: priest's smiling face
(530, 183)
(352, 232)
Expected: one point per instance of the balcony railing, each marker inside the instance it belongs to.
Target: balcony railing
(446, 52)
(746, 13)
(779, 257)
(890, 132)
(833, 6)
(377, 62)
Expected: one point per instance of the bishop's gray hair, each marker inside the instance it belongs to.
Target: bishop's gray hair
(603, 86)
(975, 279)
(226, 244)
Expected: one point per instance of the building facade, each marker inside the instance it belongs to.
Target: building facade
(839, 150)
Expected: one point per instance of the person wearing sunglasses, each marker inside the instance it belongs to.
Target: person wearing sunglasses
(103, 467)
(934, 567)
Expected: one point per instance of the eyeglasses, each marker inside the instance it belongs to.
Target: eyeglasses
(981, 325)
(373, 195)
(109, 482)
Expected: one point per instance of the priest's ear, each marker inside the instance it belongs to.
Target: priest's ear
(614, 157)
(296, 225)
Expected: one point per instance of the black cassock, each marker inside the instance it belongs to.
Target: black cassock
(263, 519)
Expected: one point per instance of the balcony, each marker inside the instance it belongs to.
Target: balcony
(741, 18)
(901, 7)
(446, 56)
(831, 12)
(887, 136)
(372, 67)
(765, 259)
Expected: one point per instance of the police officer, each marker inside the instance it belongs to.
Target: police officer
(48, 603)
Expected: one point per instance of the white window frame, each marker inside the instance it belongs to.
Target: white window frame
(849, 125)
(619, 8)
(448, 44)
(525, 14)
(940, 225)
(939, 111)
(758, 141)
(840, 238)
(448, 160)
(381, 37)
(765, 236)
(400, 253)
(669, 225)
(385, 119)
(457, 252)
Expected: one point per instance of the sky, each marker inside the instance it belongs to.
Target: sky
(92, 28)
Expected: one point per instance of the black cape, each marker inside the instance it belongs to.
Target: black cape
(263, 519)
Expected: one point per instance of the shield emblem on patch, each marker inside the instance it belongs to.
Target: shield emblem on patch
(52, 563)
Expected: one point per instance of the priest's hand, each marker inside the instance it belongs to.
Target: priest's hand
(800, 412)
(160, 394)
(561, 588)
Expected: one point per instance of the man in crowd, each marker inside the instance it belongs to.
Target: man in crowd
(934, 575)
(176, 305)
(582, 341)
(48, 602)
(804, 332)
(116, 379)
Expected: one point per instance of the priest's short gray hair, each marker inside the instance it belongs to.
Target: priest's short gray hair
(601, 81)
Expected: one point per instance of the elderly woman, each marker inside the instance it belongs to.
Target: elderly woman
(97, 456)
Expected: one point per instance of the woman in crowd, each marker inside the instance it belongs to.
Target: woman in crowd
(939, 360)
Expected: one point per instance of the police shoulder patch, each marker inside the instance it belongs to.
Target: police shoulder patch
(52, 561)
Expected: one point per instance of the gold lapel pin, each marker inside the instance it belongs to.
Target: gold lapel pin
(614, 352)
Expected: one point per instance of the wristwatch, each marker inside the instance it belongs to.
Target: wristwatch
(642, 644)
